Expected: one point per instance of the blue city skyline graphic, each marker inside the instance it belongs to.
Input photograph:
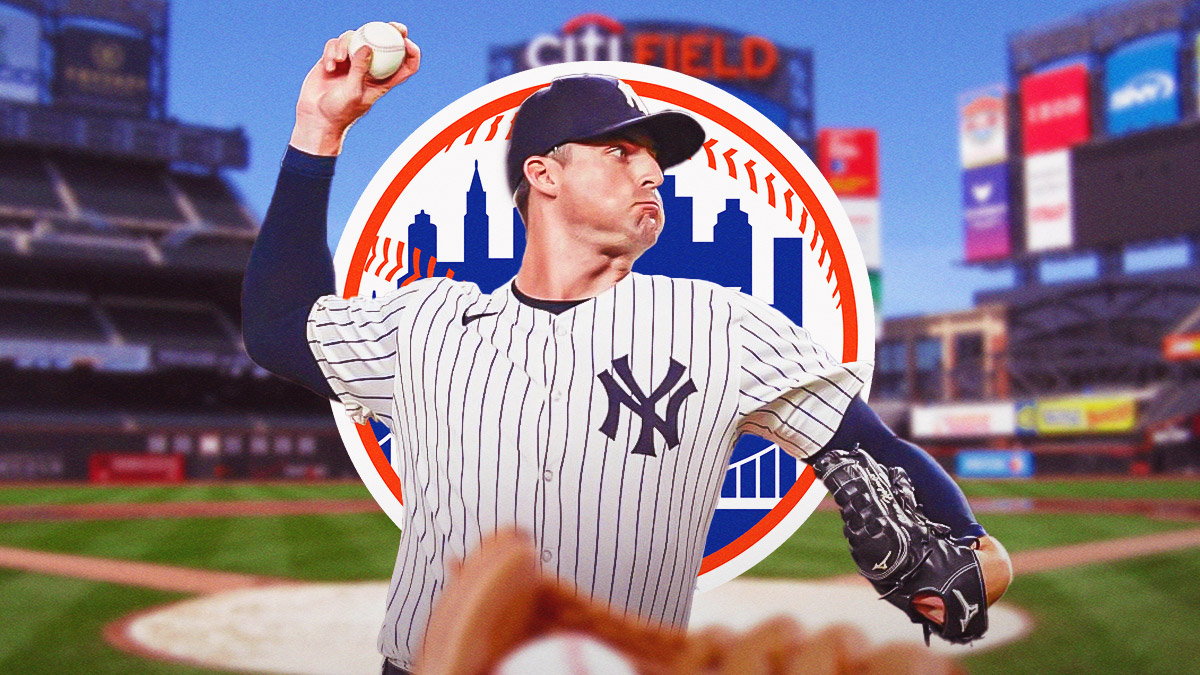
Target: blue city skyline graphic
(759, 473)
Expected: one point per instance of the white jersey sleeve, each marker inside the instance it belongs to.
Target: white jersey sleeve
(791, 391)
(355, 343)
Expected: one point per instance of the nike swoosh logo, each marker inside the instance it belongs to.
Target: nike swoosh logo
(969, 609)
(468, 318)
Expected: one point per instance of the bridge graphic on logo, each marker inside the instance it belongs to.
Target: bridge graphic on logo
(383, 435)
(760, 480)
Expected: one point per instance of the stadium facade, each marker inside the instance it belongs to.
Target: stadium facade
(122, 248)
(1085, 161)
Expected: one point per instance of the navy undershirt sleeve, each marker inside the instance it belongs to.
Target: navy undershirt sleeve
(289, 268)
(939, 495)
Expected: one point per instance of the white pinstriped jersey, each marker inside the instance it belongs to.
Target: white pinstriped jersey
(503, 414)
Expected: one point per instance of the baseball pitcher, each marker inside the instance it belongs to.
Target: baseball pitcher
(589, 406)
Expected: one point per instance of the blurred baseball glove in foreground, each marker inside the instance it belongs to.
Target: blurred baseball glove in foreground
(501, 616)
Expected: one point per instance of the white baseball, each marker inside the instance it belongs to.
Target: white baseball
(565, 654)
(387, 47)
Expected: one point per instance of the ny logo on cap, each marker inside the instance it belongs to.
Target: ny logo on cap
(643, 405)
(632, 98)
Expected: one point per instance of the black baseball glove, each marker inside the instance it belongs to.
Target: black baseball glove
(900, 551)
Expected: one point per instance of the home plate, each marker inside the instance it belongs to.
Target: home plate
(330, 629)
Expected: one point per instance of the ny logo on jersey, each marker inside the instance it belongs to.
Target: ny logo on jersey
(643, 406)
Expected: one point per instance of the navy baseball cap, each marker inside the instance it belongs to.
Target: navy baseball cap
(583, 107)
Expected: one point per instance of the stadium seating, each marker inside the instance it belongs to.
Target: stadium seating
(204, 251)
(213, 200)
(122, 189)
(122, 247)
(174, 325)
(33, 317)
(83, 241)
(1171, 402)
(13, 230)
(24, 181)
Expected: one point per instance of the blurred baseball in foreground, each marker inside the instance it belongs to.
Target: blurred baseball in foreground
(387, 47)
(565, 654)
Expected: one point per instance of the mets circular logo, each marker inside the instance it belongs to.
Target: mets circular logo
(749, 210)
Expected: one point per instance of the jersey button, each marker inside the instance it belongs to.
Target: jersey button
(556, 395)
(547, 475)
(562, 329)
(547, 555)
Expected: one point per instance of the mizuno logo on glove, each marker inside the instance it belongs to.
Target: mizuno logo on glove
(969, 609)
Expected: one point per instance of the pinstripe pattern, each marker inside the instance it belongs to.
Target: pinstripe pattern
(496, 424)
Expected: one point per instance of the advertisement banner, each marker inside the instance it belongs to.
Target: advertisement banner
(964, 420)
(25, 466)
(993, 464)
(101, 70)
(985, 213)
(1049, 221)
(983, 127)
(1141, 87)
(19, 36)
(1182, 347)
(1086, 415)
(116, 467)
(1172, 434)
(1054, 109)
(849, 160)
(864, 218)
(1026, 417)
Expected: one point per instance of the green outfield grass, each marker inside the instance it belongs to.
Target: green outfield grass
(1137, 616)
(1099, 488)
(54, 625)
(337, 547)
(818, 549)
(200, 492)
(1091, 488)
(1131, 617)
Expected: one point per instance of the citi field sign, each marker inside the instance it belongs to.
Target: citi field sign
(775, 80)
(699, 53)
(748, 211)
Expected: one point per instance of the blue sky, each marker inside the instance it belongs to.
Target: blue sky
(894, 66)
